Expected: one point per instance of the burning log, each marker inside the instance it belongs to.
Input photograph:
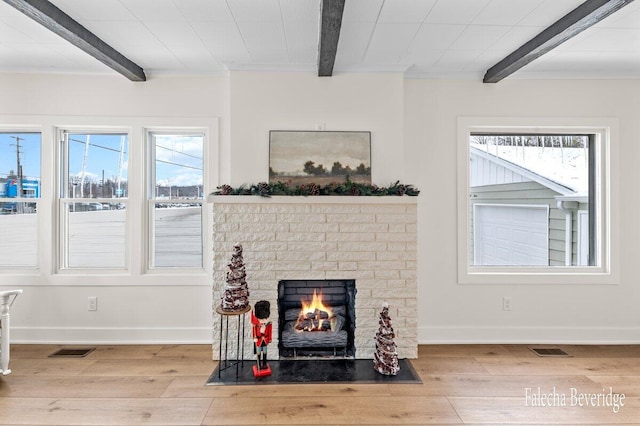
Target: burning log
(313, 324)
(292, 338)
(316, 315)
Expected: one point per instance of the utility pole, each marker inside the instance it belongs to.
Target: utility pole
(84, 167)
(19, 205)
(120, 164)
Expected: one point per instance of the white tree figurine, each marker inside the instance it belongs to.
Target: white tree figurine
(385, 359)
(236, 292)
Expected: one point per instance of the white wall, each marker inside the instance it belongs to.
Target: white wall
(451, 312)
(413, 125)
(297, 101)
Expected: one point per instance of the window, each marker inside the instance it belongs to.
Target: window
(175, 195)
(534, 202)
(20, 183)
(93, 200)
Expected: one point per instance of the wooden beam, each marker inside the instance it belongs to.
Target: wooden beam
(579, 19)
(331, 22)
(54, 19)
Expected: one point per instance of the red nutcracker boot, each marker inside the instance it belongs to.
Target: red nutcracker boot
(261, 331)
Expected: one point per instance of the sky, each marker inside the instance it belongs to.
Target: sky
(179, 157)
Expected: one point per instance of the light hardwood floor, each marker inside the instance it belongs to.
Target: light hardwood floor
(469, 384)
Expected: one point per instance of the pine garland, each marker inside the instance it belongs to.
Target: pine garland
(347, 187)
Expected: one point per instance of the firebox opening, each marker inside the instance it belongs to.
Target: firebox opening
(316, 318)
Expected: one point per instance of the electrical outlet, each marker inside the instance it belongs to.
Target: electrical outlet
(92, 303)
(507, 304)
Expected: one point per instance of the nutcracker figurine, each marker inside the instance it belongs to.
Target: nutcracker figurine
(261, 327)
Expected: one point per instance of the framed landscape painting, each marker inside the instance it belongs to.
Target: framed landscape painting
(320, 157)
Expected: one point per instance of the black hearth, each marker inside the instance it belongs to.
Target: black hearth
(333, 333)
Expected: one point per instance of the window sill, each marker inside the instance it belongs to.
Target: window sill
(537, 276)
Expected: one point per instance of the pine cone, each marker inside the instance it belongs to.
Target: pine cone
(264, 188)
(402, 189)
(355, 190)
(314, 189)
(225, 189)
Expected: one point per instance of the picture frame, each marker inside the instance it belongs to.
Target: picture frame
(319, 157)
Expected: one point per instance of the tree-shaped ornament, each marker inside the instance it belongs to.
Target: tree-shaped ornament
(385, 358)
(236, 292)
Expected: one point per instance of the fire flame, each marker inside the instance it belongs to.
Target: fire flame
(315, 305)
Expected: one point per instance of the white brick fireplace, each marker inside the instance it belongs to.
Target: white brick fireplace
(372, 240)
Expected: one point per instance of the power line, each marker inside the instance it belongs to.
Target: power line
(178, 152)
(97, 146)
(177, 164)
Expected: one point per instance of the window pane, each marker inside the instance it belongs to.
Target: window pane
(529, 197)
(19, 237)
(178, 235)
(97, 165)
(178, 166)
(19, 180)
(176, 219)
(94, 231)
(96, 235)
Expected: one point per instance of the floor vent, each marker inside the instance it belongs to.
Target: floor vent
(72, 353)
(550, 352)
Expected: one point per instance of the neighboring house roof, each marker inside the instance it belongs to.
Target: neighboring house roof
(566, 179)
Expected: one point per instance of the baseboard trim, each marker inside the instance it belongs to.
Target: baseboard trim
(530, 335)
(111, 336)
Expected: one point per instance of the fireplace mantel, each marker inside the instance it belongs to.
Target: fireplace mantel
(372, 240)
(312, 199)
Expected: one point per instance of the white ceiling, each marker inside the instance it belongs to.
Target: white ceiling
(421, 38)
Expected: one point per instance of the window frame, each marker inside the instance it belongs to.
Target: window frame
(61, 256)
(48, 230)
(150, 197)
(605, 131)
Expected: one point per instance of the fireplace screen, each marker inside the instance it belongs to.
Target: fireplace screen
(316, 317)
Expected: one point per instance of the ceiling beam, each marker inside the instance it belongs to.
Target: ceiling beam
(54, 19)
(331, 13)
(579, 19)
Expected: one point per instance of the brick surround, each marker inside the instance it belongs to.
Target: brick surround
(372, 240)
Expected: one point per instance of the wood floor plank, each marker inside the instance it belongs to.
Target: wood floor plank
(561, 366)
(307, 409)
(103, 411)
(450, 365)
(84, 387)
(489, 385)
(189, 387)
(629, 385)
(49, 366)
(186, 352)
(603, 351)
(159, 367)
(33, 351)
(499, 411)
(126, 352)
(463, 351)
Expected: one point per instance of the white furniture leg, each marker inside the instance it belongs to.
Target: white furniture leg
(6, 300)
